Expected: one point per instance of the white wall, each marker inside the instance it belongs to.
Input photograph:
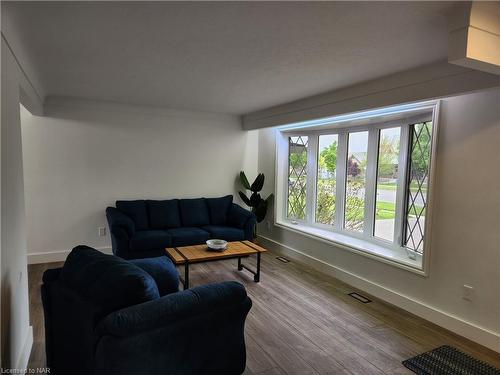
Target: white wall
(82, 156)
(16, 333)
(466, 227)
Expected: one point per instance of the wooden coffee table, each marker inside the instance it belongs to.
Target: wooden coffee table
(187, 255)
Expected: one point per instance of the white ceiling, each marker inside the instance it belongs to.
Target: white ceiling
(223, 57)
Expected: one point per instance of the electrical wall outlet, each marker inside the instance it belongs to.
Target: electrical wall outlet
(102, 231)
(467, 292)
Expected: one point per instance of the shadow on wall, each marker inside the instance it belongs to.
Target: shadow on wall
(237, 186)
(490, 119)
(6, 294)
(91, 113)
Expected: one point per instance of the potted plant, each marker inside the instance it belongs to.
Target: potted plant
(257, 204)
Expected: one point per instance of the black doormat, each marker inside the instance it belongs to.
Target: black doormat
(447, 360)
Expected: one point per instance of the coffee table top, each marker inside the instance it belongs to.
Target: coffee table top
(201, 253)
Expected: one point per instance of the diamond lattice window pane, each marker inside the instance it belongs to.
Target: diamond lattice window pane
(420, 155)
(297, 177)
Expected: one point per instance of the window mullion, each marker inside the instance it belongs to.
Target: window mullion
(399, 221)
(312, 172)
(341, 170)
(371, 182)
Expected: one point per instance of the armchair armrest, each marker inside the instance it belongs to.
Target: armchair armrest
(243, 219)
(116, 218)
(181, 333)
(52, 274)
(172, 308)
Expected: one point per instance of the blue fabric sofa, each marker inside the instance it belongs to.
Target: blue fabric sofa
(106, 315)
(144, 228)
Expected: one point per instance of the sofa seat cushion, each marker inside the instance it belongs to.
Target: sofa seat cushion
(110, 282)
(150, 240)
(194, 212)
(163, 271)
(225, 233)
(188, 236)
(164, 214)
(218, 209)
(137, 211)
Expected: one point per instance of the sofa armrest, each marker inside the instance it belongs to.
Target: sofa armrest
(243, 219)
(121, 228)
(116, 218)
(250, 227)
(181, 333)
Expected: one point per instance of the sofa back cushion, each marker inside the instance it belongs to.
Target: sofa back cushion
(218, 209)
(164, 214)
(194, 212)
(111, 283)
(136, 210)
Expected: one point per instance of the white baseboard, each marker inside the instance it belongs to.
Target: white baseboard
(57, 256)
(478, 334)
(24, 356)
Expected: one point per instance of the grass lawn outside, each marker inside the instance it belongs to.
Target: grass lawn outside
(413, 187)
(387, 210)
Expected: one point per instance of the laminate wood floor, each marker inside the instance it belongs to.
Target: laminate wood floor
(303, 322)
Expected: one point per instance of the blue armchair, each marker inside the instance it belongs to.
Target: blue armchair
(106, 315)
(144, 228)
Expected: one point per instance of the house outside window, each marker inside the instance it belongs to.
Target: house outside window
(362, 181)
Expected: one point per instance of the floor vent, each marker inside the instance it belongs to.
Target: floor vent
(283, 259)
(359, 297)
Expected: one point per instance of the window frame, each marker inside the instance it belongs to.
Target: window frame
(428, 110)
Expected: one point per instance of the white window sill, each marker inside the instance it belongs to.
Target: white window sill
(396, 257)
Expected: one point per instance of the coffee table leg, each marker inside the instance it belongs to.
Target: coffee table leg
(256, 273)
(256, 277)
(186, 275)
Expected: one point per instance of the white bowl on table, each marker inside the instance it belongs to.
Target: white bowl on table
(217, 245)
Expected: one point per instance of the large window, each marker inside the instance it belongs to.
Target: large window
(365, 179)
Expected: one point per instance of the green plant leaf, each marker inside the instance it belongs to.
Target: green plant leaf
(244, 180)
(258, 183)
(245, 199)
(261, 211)
(255, 199)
